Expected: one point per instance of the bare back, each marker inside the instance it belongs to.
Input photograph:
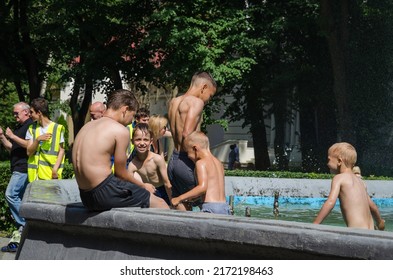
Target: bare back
(354, 201)
(94, 145)
(210, 171)
(185, 114)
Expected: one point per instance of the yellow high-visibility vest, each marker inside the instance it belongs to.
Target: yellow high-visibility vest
(41, 163)
(129, 149)
(131, 146)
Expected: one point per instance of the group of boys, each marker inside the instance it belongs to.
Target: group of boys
(133, 186)
(193, 175)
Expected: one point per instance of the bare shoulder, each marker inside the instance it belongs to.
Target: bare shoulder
(158, 159)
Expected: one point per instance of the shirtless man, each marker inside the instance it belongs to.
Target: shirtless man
(94, 145)
(354, 200)
(210, 176)
(151, 167)
(185, 116)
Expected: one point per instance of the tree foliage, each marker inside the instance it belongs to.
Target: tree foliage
(329, 60)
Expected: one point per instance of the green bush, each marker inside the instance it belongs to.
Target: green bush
(6, 220)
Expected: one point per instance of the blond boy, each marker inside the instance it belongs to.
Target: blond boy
(151, 167)
(209, 173)
(350, 189)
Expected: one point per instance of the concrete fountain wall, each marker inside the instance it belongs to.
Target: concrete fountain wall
(59, 227)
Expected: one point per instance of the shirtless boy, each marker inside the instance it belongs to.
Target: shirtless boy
(350, 189)
(210, 176)
(185, 116)
(373, 207)
(94, 145)
(151, 167)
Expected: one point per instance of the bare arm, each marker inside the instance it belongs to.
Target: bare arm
(162, 168)
(60, 157)
(330, 202)
(6, 143)
(199, 190)
(376, 215)
(20, 141)
(33, 145)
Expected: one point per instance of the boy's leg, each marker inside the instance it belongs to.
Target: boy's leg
(157, 202)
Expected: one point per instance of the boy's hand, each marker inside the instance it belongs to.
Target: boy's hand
(150, 188)
(44, 137)
(54, 174)
(381, 225)
(175, 201)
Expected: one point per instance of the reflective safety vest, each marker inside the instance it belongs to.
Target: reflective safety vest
(129, 149)
(131, 146)
(41, 163)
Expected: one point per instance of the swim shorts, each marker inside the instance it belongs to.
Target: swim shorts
(181, 173)
(216, 208)
(113, 193)
(161, 192)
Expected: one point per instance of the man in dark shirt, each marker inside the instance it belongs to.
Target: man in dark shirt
(15, 143)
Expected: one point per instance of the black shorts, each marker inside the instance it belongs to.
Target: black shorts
(115, 193)
(181, 173)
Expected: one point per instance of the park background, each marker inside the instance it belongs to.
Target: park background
(294, 76)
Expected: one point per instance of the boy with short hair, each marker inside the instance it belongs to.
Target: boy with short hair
(45, 144)
(209, 173)
(185, 116)
(350, 189)
(151, 167)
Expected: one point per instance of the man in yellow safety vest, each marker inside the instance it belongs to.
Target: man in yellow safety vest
(45, 146)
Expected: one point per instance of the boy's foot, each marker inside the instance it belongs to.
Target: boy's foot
(12, 247)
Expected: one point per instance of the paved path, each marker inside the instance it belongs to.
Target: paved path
(6, 256)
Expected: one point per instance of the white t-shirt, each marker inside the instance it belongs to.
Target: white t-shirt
(42, 131)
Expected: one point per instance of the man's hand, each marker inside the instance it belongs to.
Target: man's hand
(9, 133)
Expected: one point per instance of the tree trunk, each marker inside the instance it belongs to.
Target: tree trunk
(258, 130)
(334, 23)
(29, 56)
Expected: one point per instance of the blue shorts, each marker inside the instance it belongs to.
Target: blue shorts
(114, 193)
(216, 208)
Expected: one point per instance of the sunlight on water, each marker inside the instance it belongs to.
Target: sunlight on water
(303, 209)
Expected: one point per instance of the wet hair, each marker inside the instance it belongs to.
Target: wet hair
(200, 77)
(40, 104)
(197, 137)
(142, 113)
(156, 123)
(144, 128)
(122, 97)
(345, 151)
